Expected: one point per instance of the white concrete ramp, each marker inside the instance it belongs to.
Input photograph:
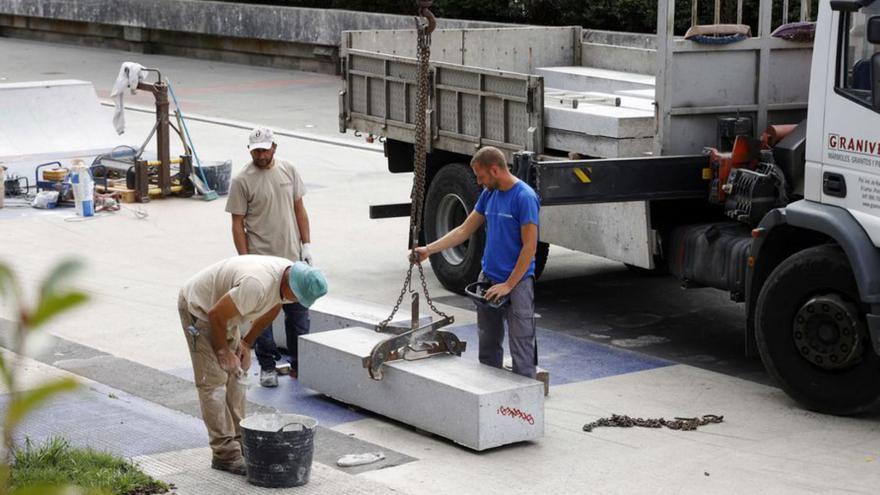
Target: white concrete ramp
(474, 405)
(42, 121)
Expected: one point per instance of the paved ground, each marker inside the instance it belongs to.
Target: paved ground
(613, 341)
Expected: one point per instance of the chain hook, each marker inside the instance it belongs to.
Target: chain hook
(424, 11)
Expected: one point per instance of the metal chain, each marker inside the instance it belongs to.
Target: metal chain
(684, 424)
(417, 196)
(624, 421)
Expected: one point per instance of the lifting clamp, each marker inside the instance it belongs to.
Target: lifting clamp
(413, 342)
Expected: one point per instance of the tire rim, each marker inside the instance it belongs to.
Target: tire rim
(826, 332)
(451, 212)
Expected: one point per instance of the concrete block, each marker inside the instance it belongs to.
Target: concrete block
(477, 406)
(597, 146)
(647, 94)
(541, 374)
(601, 120)
(578, 78)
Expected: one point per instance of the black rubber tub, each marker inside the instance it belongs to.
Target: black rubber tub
(278, 449)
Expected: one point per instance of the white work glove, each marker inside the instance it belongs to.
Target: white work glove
(307, 253)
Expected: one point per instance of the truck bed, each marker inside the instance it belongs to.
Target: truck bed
(514, 87)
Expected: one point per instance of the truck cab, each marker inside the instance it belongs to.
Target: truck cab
(814, 289)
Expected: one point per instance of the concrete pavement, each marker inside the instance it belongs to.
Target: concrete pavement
(613, 342)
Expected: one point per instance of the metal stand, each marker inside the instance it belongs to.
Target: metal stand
(137, 170)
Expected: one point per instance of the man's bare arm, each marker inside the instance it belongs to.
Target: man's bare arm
(259, 325)
(454, 237)
(239, 236)
(302, 221)
(219, 317)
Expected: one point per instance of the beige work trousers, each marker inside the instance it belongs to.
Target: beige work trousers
(221, 394)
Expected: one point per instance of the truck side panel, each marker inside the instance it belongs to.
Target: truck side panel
(469, 107)
(510, 49)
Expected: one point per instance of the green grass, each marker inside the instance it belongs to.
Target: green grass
(56, 463)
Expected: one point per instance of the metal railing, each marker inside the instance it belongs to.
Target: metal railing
(805, 12)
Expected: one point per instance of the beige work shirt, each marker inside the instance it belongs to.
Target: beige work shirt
(253, 283)
(265, 198)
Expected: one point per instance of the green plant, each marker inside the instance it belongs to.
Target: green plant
(54, 298)
(56, 463)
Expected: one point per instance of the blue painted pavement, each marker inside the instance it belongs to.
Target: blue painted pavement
(107, 419)
(568, 359)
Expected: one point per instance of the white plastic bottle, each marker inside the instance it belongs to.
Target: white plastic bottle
(83, 189)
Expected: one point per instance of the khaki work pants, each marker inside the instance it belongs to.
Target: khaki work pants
(221, 394)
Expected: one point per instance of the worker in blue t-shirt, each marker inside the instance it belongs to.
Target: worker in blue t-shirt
(509, 207)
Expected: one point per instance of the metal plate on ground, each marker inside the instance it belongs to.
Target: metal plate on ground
(474, 405)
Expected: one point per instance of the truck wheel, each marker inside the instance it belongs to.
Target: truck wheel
(451, 197)
(812, 336)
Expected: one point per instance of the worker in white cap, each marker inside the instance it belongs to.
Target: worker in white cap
(270, 218)
(212, 304)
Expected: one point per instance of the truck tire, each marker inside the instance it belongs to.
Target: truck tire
(451, 196)
(812, 336)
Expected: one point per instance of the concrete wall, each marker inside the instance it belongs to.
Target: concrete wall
(624, 52)
(286, 37)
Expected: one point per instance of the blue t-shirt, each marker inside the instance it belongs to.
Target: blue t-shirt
(506, 212)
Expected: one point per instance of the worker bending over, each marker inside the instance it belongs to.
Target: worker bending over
(212, 304)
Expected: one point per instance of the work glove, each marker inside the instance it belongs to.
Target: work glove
(307, 254)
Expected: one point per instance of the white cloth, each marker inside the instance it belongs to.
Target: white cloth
(351, 460)
(130, 74)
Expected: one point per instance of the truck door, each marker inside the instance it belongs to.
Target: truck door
(850, 171)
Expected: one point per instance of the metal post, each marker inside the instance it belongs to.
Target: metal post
(694, 13)
(717, 11)
(765, 27)
(784, 11)
(739, 11)
(162, 137)
(665, 49)
(163, 148)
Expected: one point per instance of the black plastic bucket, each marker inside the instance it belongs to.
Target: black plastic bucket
(278, 449)
(218, 175)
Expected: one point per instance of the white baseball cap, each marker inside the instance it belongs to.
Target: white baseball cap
(261, 138)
